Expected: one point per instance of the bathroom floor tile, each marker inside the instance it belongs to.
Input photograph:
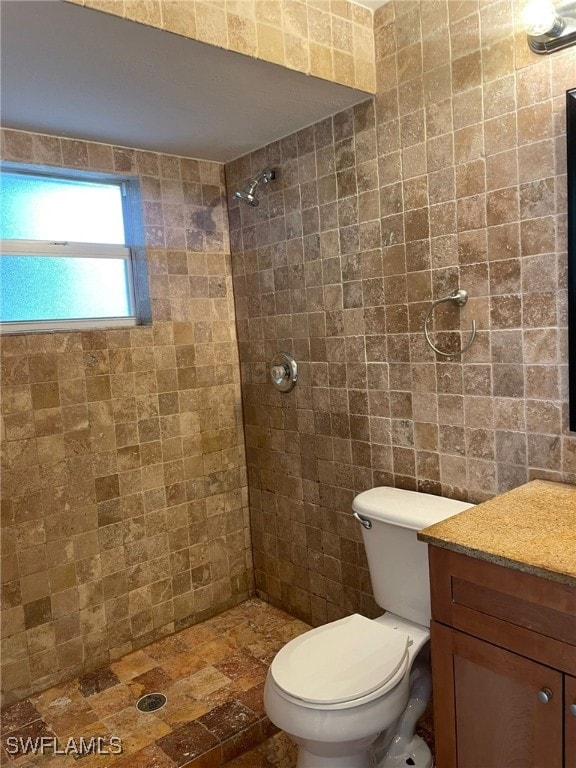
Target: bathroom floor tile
(242, 742)
(149, 757)
(112, 700)
(253, 698)
(165, 648)
(197, 635)
(37, 729)
(181, 709)
(228, 719)
(183, 664)
(131, 721)
(18, 715)
(70, 717)
(59, 698)
(276, 752)
(133, 665)
(153, 681)
(187, 742)
(215, 650)
(97, 681)
(241, 665)
(212, 675)
(206, 681)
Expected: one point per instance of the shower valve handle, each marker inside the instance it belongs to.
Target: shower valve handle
(284, 372)
(280, 372)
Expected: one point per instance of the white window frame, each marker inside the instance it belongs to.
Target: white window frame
(130, 197)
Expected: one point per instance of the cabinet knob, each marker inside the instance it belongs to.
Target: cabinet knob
(544, 695)
(572, 709)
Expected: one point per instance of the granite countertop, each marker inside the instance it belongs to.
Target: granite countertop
(531, 528)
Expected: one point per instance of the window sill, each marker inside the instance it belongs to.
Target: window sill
(40, 326)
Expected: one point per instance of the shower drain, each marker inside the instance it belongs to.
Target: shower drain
(151, 702)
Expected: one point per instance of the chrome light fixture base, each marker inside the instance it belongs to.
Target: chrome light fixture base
(544, 44)
(551, 26)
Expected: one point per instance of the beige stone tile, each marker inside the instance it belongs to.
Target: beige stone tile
(484, 137)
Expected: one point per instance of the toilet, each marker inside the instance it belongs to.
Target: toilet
(350, 692)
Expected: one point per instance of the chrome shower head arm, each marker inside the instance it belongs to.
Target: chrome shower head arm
(247, 193)
(266, 175)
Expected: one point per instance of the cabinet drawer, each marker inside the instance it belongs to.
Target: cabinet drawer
(516, 610)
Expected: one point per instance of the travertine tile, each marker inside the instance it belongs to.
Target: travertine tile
(97, 427)
(450, 177)
(465, 172)
(328, 40)
(206, 721)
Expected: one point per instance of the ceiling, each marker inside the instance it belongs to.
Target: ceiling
(71, 71)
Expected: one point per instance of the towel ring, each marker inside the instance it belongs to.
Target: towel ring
(459, 297)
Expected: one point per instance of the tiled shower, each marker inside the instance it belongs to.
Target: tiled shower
(124, 483)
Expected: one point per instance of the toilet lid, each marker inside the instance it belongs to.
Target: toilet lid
(340, 661)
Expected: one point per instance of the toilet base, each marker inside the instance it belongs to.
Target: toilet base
(417, 754)
(308, 760)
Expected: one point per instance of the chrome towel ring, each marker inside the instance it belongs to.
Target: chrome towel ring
(459, 297)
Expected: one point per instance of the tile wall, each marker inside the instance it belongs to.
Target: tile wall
(453, 176)
(123, 470)
(331, 39)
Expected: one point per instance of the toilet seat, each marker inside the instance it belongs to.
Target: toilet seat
(350, 661)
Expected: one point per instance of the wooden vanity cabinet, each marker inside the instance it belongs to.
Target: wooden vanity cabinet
(503, 666)
(570, 721)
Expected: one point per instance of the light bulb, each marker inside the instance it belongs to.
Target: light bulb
(540, 17)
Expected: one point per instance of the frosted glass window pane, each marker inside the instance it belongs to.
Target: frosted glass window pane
(42, 208)
(60, 288)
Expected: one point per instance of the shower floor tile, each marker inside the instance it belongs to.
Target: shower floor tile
(213, 677)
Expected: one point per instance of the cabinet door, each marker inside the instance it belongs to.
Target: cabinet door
(487, 709)
(570, 722)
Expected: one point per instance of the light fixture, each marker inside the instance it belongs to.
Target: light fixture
(550, 26)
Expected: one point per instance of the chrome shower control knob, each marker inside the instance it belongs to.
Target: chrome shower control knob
(279, 372)
(284, 372)
(544, 695)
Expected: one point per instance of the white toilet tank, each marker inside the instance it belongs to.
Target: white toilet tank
(398, 562)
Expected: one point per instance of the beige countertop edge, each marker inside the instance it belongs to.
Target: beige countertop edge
(517, 529)
(492, 557)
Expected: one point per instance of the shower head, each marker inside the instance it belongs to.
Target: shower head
(248, 193)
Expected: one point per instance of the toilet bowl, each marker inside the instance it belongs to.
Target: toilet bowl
(336, 688)
(349, 693)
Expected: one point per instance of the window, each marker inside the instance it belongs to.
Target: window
(66, 259)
